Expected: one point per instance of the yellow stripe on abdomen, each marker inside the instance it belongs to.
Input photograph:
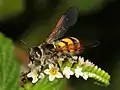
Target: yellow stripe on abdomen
(68, 41)
(61, 44)
(69, 45)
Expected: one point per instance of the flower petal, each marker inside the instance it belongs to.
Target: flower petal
(77, 75)
(51, 78)
(51, 66)
(59, 75)
(78, 69)
(78, 72)
(75, 57)
(29, 74)
(67, 72)
(71, 72)
(88, 63)
(35, 79)
(81, 60)
(67, 76)
(66, 69)
(41, 75)
(85, 76)
(46, 71)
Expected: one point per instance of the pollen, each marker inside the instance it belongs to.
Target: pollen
(53, 71)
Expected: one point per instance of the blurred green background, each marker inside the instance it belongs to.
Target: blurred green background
(33, 20)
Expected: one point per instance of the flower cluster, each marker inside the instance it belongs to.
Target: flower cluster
(66, 68)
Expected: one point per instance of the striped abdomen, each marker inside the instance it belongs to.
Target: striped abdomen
(70, 44)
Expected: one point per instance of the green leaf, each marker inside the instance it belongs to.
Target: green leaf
(45, 84)
(9, 67)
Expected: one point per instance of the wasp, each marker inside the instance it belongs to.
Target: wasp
(55, 45)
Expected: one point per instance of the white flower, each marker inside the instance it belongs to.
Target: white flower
(81, 60)
(67, 72)
(85, 75)
(53, 72)
(74, 57)
(71, 61)
(88, 63)
(34, 75)
(41, 76)
(78, 72)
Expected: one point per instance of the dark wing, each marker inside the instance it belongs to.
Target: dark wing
(67, 20)
(91, 44)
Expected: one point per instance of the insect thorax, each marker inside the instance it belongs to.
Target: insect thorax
(43, 55)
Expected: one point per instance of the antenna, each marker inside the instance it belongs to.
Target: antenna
(25, 44)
